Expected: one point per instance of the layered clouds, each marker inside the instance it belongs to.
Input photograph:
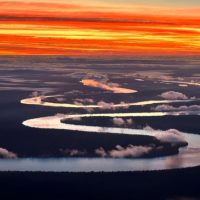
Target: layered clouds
(97, 28)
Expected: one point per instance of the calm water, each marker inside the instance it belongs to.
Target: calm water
(188, 157)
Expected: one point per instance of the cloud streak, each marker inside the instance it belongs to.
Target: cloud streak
(106, 86)
(192, 109)
(97, 28)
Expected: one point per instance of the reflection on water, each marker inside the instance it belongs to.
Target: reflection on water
(188, 157)
(185, 159)
(40, 100)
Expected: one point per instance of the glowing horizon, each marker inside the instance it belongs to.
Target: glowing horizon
(99, 28)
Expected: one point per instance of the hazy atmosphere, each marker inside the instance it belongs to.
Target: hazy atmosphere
(100, 91)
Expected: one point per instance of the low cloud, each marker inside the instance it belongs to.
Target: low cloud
(100, 152)
(81, 102)
(124, 105)
(187, 109)
(172, 95)
(4, 153)
(86, 100)
(105, 106)
(74, 152)
(130, 151)
(118, 121)
(102, 105)
(122, 122)
(121, 152)
(107, 86)
(111, 106)
(172, 136)
(129, 121)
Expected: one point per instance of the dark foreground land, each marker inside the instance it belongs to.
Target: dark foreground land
(173, 184)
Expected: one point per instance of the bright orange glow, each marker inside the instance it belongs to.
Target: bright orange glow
(65, 29)
(104, 86)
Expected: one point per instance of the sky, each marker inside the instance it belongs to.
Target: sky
(100, 27)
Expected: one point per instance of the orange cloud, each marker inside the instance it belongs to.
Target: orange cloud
(65, 29)
(106, 86)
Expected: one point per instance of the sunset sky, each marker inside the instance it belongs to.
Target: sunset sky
(94, 28)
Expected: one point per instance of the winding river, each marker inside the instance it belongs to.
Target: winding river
(188, 156)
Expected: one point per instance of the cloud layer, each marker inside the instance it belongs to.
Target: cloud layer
(97, 28)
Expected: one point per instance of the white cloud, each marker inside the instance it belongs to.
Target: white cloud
(104, 105)
(172, 136)
(122, 122)
(124, 105)
(129, 121)
(118, 121)
(121, 152)
(130, 151)
(111, 106)
(7, 154)
(187, 109)
(100, 152)
(172, 95)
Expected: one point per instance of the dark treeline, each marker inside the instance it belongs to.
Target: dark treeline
(170, 184)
